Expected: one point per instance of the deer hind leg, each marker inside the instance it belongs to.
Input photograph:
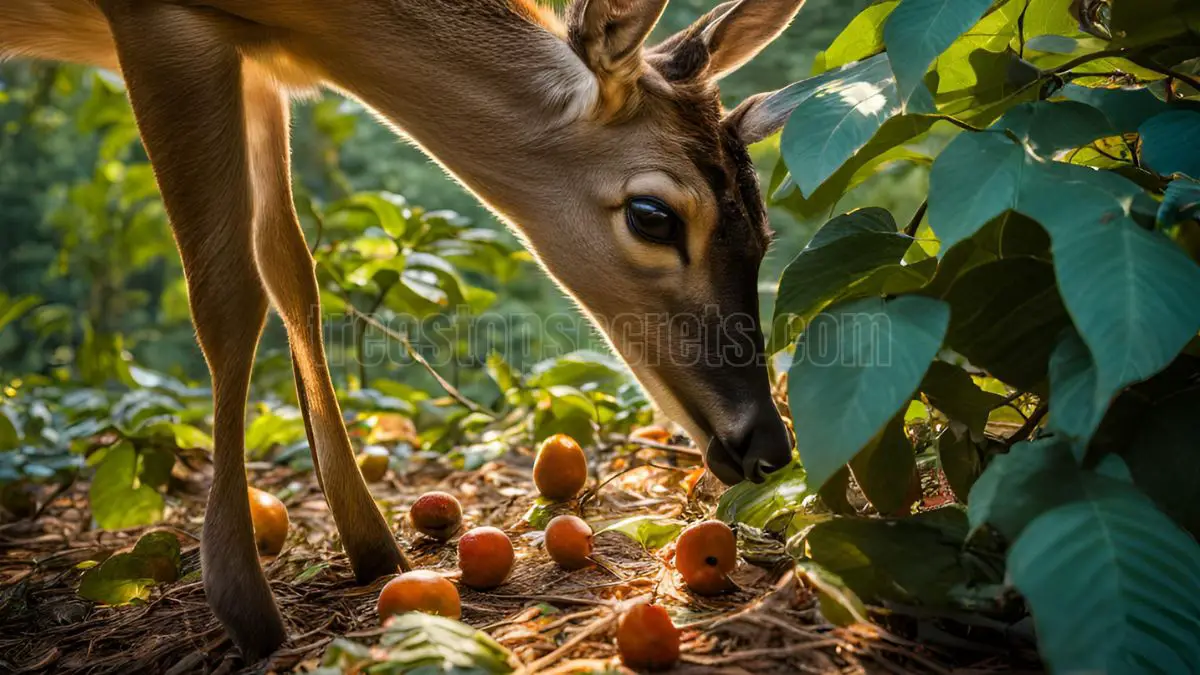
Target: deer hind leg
(286, 268)
(188, 102)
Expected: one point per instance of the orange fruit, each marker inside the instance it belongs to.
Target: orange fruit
(569, 542)
(419, 591)
(705, 554)
(653, 433)
(373, 463)
(560, 469)
(646, 638)
(436, 514)
(485, 556)
(270, 519)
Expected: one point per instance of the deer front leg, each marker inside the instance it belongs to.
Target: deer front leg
(286, 267)
(185, 87)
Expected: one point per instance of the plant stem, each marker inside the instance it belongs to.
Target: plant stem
(911, 228)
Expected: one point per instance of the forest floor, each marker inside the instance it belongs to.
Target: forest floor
(551, 620)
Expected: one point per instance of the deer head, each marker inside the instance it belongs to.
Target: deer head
(618, 166)
(660, 226)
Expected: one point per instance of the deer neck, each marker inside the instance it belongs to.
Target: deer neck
(481, 86)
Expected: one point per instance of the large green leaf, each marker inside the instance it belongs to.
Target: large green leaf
(917, 32)
(1171, 143)
(1126, 109)
(1164, 457)
(126, 577)
(390, 211)
(119, 496)
(1077, 404)
(909, 560)
(886, 470)
(1047, 127)
(856, 364)
(840, 117)
(420, 643)
(768, 504)
(861, 38)
(651, 532)
(1004, 316)
(839, 604)
(1131, 294)
(952, 391)
(845, 250)
(1180, 201)
(1031, 479)
(1113, 585)
(959, 458)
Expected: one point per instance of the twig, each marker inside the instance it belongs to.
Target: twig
(567, 646)
(691, 452)
(911, 228)
(1172, 73)
(1026, 429)
(416, 356)
(1086, 58)
(58, 491)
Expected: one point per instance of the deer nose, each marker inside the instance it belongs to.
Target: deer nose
(757, 447)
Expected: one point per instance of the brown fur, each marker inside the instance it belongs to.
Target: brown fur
(554, 126)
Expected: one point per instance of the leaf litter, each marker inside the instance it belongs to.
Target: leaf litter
(547, 620)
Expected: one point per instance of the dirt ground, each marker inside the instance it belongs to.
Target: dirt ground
(551, 620)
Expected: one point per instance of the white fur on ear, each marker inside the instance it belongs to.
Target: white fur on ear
(762, 115)
(743, 30)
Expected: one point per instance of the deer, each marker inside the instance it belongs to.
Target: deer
(613, 161)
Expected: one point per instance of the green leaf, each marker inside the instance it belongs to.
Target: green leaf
(861, 38)
(855, 366)
(886, 470)
(1164, 460)
(839, 604)
(1121, 564)
(1131, 295)
(12, 309)
(1054, 44)
(390, 210)
(917, 32)
(419, 643)
(118, 497)
(1077, 404)
(914, 560)
(1126, 109)
(1171, 143)
(1002, 313)
(1181, 201)
(1047, 127)
(959, 458)
(126, 577)
(952, 391)
(1032, 478)
(844, 251)
(840, 117)
(652, 532)
(766, 505)
(577, 369)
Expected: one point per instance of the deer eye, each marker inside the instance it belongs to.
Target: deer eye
(652, 220)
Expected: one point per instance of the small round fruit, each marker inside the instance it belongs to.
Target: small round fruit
(373, 463)
(436, 514)
(560, 469)
(270, 520)
(569, 542)
(647, 639)
(485, 556)
(705, 554)
(653, 433)
(419, 591)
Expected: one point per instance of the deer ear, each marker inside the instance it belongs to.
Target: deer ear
(608, 36)
(744, 30)
(722, 40)
(761, 115)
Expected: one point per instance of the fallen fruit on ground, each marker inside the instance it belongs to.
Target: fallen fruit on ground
(560, 469)
(569, 542)
(419, 591)
(436, 514)
(485, 556)
(270, 519)
(652, 433)
(647, 639)
(373, 463)
(705, 554)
